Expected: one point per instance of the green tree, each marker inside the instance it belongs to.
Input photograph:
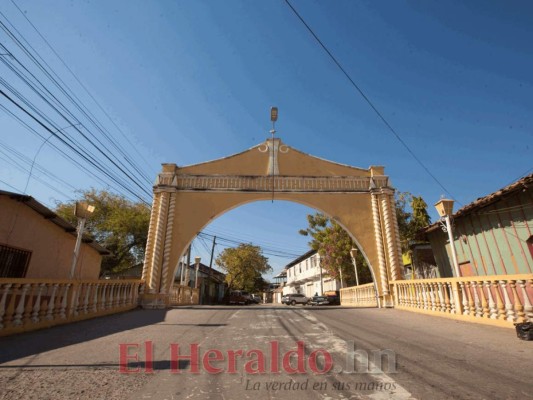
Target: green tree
(244, 266)
(333, 243)
(118, 224)
(412, 215)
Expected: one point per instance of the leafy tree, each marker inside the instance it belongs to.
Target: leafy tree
(410, 222)
(118, 224)
(333, 243)
(244, 266)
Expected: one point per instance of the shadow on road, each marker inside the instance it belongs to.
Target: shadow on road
(27, 344)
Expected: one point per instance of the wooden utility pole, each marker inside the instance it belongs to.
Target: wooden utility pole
(210, 267)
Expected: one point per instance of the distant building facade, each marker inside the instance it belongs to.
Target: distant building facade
(276, 287)
(306, 276)
(212, 290)
(36, 243)
(492, 235)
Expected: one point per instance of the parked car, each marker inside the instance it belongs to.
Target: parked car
(256, 299)
(239, 297)
(294, 298)
(333, 297)
(319, 301)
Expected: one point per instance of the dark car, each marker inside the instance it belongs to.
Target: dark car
(319, 301)
(333, 297)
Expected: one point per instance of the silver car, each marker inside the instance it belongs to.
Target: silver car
(294, 298)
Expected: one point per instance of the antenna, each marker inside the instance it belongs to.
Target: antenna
(273, 118)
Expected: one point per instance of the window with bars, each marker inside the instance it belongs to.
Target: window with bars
(13, 262)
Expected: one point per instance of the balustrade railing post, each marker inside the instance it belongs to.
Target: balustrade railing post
(64, 302)
(508, 305)
(86, 296)
(72, 301)
(457, 290)
(51, 303)
(37, 304)
(528, 308)
(493, 311)
(477, 303)
(518, 307)
(484, 303)
(5, 291)
(19, 311)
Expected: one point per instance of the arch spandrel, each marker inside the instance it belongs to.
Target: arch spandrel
(257, 161)
(189, 198)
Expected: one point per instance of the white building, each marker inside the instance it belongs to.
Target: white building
(304, 276)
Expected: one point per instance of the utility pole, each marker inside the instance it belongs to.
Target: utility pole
(209, 273)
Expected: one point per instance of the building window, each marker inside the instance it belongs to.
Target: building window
(13, 262)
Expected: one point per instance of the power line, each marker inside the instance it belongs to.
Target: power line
(368, 101)
(266, 250)
(55, 104)
(99, 149)
(99, 167)
(62, 153)
(72, 142)
(29, 162)
(65, 90)
(80, 83)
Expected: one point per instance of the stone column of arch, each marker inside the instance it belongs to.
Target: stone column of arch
(378, 234)
(397, 234)
(148, 253)
(392, 239)
(158, 242)
(168, 243)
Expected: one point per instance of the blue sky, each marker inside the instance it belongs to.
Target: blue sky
(189, 81)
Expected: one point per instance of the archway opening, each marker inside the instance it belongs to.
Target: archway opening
(274, 227)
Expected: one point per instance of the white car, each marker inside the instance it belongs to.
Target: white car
(294, 298)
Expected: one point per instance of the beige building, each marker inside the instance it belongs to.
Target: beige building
(35, 243)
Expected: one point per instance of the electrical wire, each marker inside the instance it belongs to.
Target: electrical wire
(31, 80)
(369, 102)
(80, 82)
(99, 167)
(65, 155)
(55, 79)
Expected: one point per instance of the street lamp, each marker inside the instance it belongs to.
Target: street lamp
(353, 253)
(83, 211)
(445, 209)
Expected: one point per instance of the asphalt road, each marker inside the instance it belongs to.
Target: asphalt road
(245, 353)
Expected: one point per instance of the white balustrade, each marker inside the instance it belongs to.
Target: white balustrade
(359, 296)
(506, 298)
(27, 304)
(183, 295)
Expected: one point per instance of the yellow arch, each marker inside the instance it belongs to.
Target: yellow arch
(186, 199)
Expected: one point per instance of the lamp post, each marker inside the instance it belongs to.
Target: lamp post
(82, 211)
(353, 253)
(445, 209)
